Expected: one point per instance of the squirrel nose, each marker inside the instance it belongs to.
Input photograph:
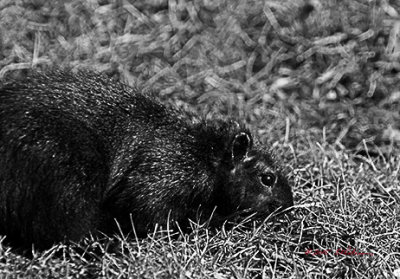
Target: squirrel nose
(283, 204)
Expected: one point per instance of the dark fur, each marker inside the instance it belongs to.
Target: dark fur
(78, 150)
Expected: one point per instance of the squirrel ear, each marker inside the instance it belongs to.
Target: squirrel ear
(241, 144)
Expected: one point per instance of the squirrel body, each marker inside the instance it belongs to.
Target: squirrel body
(79, 151)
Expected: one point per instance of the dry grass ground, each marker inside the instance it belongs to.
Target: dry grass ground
(316, 80)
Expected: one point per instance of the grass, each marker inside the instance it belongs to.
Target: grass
(316, 80)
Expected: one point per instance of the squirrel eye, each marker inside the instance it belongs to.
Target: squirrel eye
(268, 179)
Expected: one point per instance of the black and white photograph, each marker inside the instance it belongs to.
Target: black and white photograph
(221, 139)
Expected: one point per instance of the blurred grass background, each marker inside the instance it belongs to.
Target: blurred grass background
(317, 80)
(231, 57)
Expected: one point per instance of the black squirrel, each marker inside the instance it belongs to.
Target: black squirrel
(79, 151)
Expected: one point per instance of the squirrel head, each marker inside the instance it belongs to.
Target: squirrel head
(251, 180)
